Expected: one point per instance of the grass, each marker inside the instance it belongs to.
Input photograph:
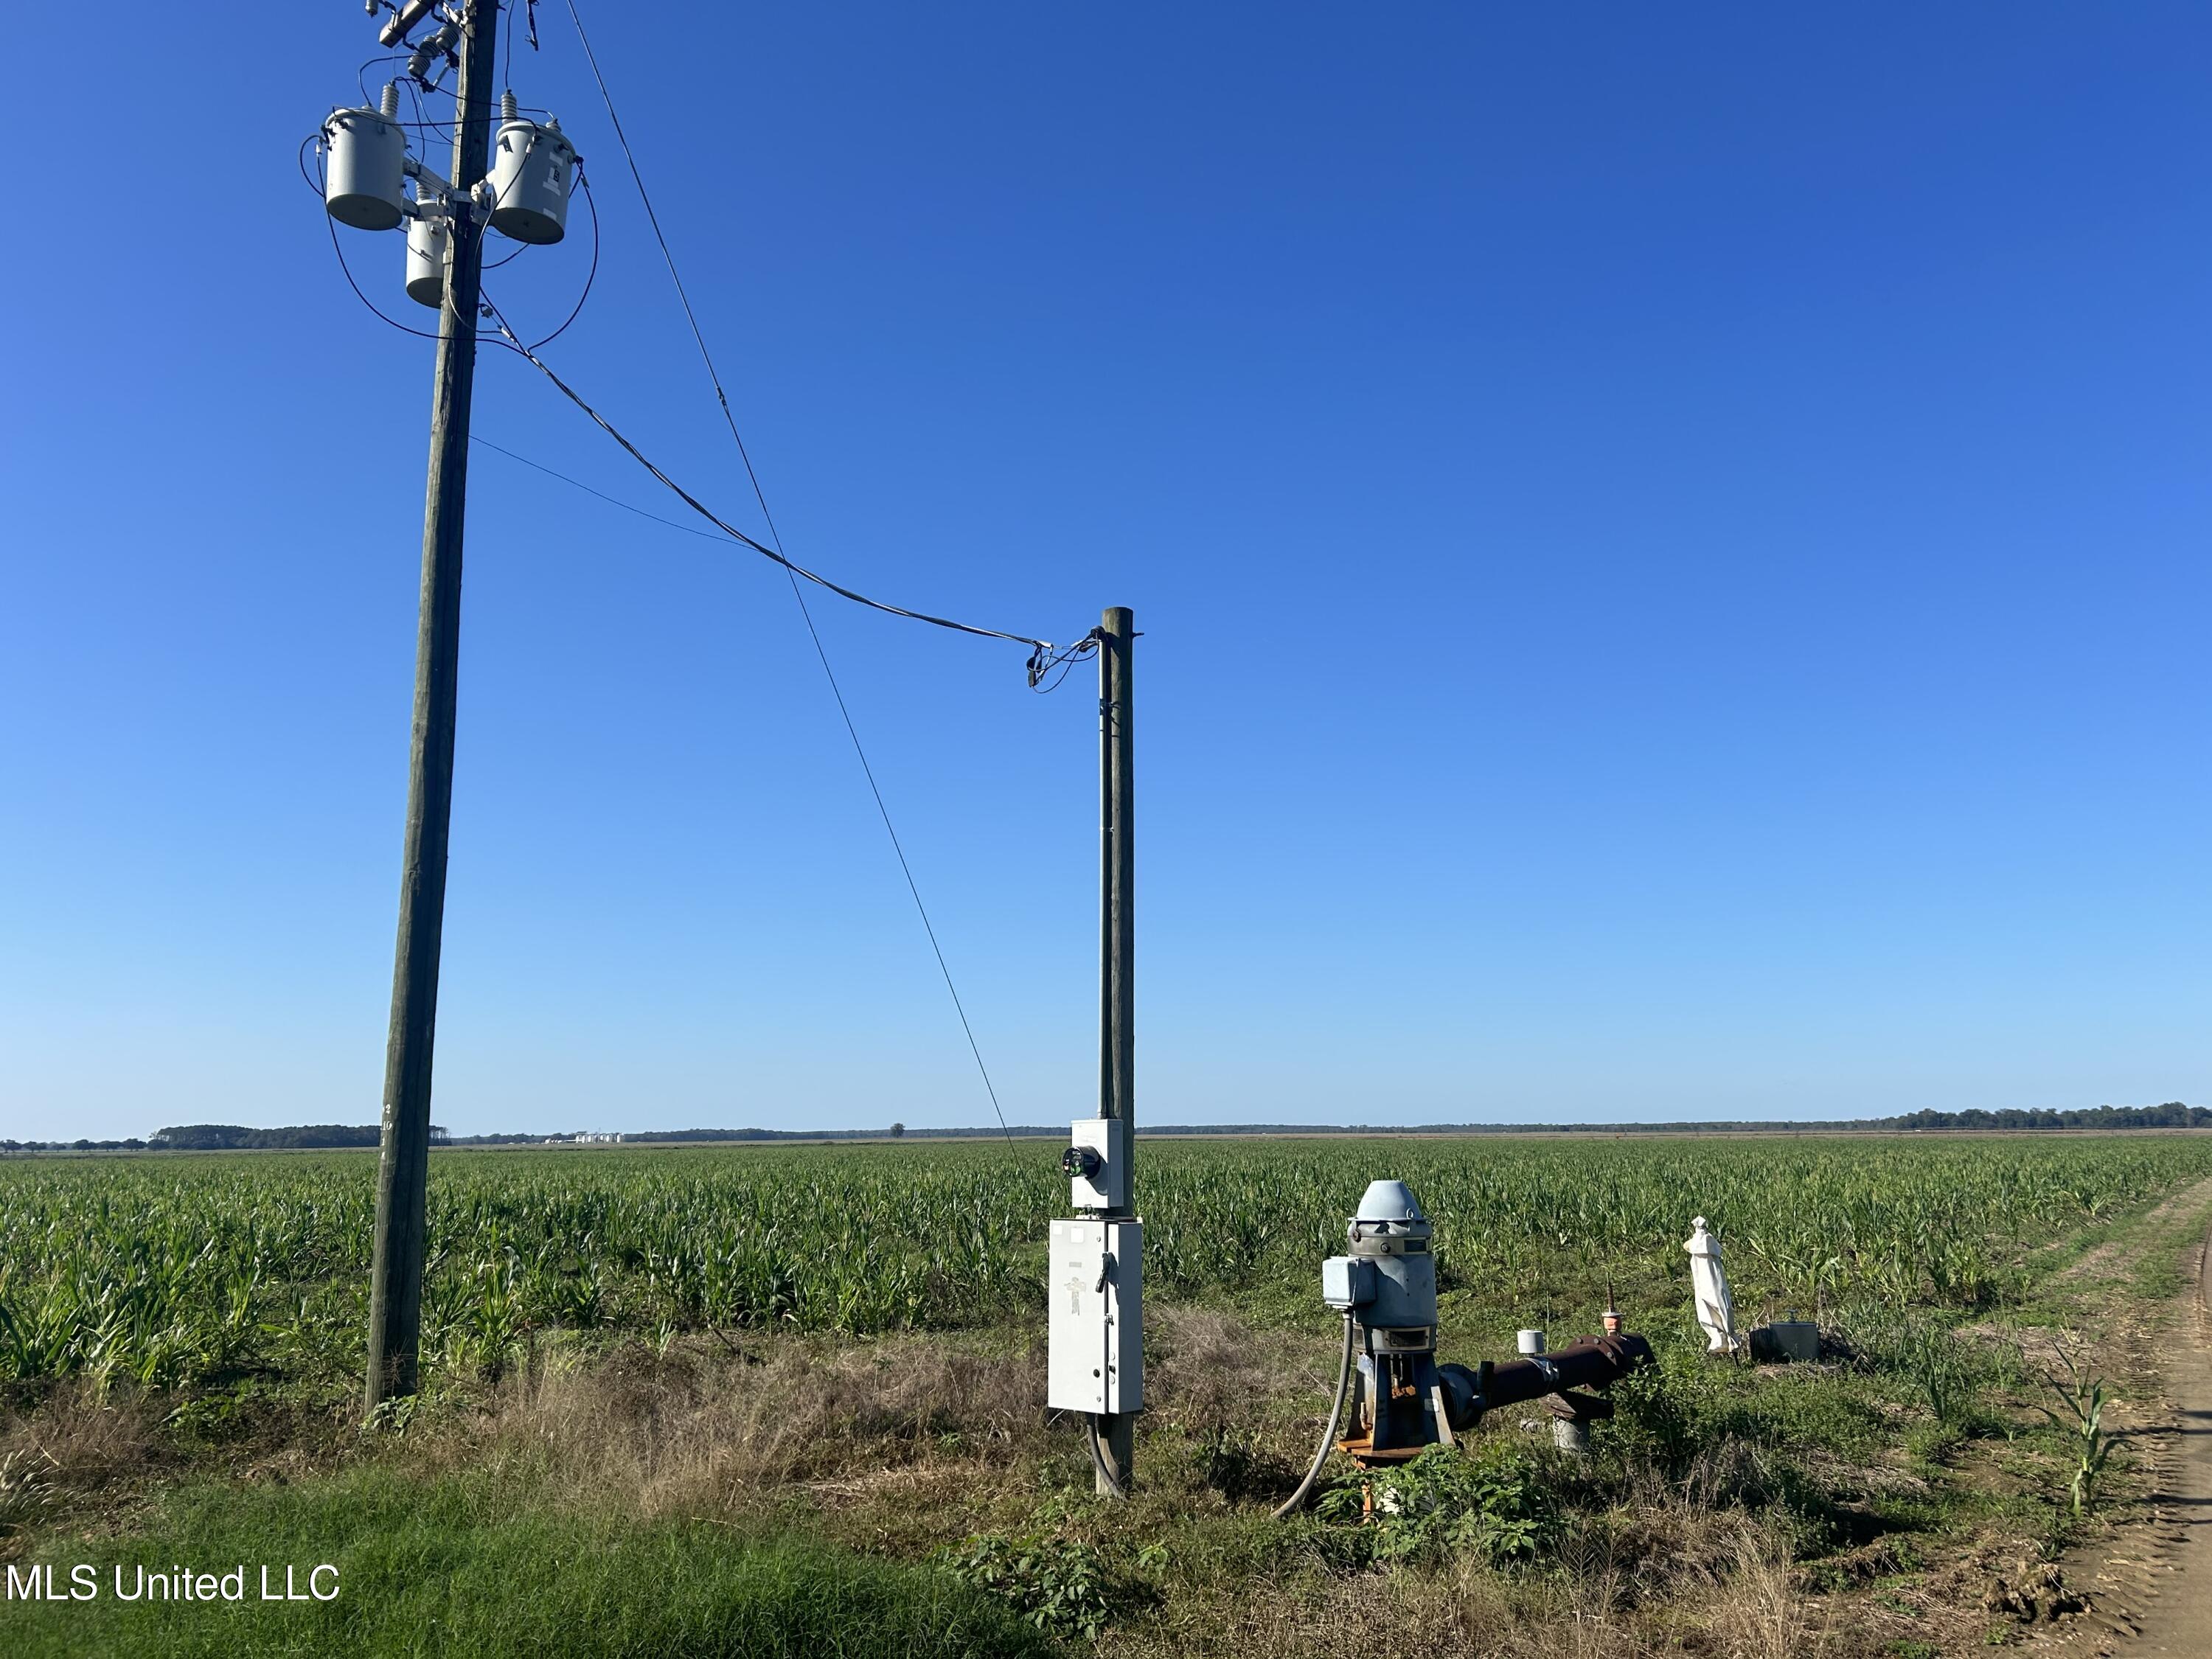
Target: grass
(644, 1367)
(449, 1567)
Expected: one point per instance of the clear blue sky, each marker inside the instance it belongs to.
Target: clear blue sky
(1671, 544)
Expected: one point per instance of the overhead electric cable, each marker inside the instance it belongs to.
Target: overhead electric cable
(731, 530)
(333, 226)
(584, 184)
(713, 375)
(669, 259)
(792, 571)
(1063, 658)
(578, 484)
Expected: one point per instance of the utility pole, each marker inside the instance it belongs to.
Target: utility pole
(395, 1307)
(1117, 958)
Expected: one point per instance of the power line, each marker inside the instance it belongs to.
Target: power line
(578, 483)
(791, 571)
(1063, 658)
(583, 183)
(419, 334)
(1040, 650)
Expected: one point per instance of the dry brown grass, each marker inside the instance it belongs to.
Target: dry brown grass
(1757, 1613)
(1472, 1617)
(1752, 1613)
(1206, 1371)
(81, 1445)
(700, 1433)
(82, 1436)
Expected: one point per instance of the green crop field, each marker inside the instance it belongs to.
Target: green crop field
(803, 1386)
(187, 1272)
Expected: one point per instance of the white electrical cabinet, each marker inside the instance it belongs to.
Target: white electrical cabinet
(1097, 1356)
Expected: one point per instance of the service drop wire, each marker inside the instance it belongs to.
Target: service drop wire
(1041, 649)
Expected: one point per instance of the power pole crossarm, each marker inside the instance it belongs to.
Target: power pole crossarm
(395, 1315)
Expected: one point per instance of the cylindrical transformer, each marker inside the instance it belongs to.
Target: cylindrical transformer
(428, 243)
(368, 164)
(530, 182)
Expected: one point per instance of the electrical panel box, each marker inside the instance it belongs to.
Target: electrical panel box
(1347, 1281)
(1097, 1163)
(1095, 1362)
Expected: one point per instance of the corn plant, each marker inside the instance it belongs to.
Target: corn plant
(2079, 1417)
(176, 1273)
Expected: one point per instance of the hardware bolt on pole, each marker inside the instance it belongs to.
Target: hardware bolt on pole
(395, 1314)
(1117, 999)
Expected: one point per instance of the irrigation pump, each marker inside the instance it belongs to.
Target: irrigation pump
(1399, 1399)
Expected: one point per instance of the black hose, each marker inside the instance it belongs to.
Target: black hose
(1298, 1499)
(1118, 1487)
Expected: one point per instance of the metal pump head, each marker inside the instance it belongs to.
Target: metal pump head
(1389, 1222)
(1389, 1201)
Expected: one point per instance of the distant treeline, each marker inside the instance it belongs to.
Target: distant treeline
(2171, 1115)
(232, 1137)
(223, 1138)
(235, 1138)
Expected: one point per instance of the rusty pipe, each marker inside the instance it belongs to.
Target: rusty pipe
(1590, 1362)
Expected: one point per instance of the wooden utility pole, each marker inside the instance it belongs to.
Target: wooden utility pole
(1117, 958)
(395, 1306)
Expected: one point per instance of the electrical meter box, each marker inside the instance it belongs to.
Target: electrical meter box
(1097, 1356)
(1097, 1163)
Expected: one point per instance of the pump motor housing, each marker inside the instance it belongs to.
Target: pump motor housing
(1390, 1276)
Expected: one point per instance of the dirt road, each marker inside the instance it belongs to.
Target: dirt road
(2154, 1596)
